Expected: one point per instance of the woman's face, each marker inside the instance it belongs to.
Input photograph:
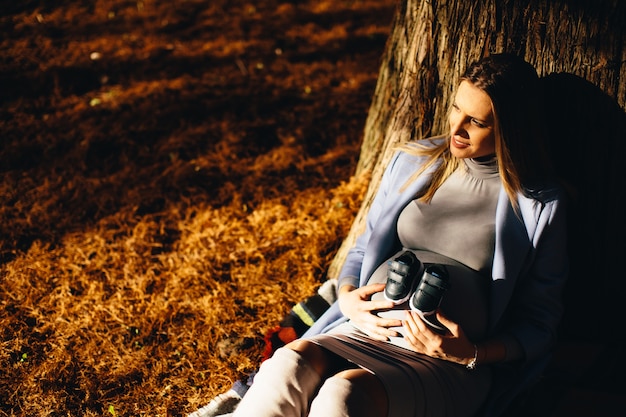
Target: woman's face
(472, 122)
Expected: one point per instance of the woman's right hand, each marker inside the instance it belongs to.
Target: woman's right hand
(356, 304)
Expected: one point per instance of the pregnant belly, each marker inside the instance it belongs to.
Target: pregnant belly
(465, 302)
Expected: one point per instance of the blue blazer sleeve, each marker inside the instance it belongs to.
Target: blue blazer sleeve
(353, 265)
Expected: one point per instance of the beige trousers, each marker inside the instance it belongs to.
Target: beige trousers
(287, 386)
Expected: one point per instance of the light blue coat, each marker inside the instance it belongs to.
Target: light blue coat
(530, 265)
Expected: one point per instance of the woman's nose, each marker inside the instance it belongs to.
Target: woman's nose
(457, 126)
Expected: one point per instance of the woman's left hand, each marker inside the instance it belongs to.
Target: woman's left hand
(453, 346)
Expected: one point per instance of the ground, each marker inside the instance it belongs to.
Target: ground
(175, 175)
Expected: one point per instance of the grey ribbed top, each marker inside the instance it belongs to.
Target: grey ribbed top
(459, 222)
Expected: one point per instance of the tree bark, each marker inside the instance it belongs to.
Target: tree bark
(432, 42)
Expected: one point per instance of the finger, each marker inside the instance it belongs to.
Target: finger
(382, 325)
(411, 327)
(377, 324)
(387, 333)
(371, 289)
(381, 305)
(380, 333)
(411, 334)
(371, 332)
(383, 322)
(452, 326)
(378, 336)
(417, 322)
(421, 330)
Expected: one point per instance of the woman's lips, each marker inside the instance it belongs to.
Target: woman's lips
(459, 144)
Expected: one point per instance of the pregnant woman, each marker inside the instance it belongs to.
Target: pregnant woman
(479, 202)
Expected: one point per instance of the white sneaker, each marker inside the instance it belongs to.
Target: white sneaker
(222, 405)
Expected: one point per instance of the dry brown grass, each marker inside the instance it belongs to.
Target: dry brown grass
(165, 204)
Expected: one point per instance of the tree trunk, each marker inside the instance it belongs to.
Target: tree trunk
(429, 47)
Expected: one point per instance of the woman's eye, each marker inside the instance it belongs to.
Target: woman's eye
(478, 123)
